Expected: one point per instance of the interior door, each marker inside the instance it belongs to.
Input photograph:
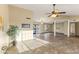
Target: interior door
(77, 29)
(1, 23)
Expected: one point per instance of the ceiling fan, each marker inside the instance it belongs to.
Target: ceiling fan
(55, 13)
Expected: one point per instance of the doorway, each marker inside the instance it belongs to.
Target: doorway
(35, 28)
(72, 29)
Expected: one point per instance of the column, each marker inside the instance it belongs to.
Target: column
(54, 28)
(68, 30)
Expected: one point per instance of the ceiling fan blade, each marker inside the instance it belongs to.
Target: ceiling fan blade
(61, 12)
(49, 15)
(55, 13)
(58, 12)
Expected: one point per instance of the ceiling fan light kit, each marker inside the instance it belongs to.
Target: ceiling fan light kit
(55, 12)
(54, 15)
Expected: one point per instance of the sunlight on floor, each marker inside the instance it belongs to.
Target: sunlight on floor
(28, 45)
(26, 41)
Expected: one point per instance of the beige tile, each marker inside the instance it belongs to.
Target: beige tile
(57, 45)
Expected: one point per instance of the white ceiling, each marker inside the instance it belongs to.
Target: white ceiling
(71, 9)
(42, 9)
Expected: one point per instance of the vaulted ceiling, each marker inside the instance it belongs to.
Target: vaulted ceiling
(71, 9)
(42, 9)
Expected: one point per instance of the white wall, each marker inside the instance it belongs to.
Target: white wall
(18, 16)
(5, 14)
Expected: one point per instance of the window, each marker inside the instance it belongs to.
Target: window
(25, 25)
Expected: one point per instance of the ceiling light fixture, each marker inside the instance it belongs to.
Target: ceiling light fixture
(55, 12)
(53, 15)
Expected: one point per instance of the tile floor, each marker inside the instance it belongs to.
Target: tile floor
(57, 45)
